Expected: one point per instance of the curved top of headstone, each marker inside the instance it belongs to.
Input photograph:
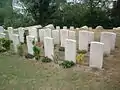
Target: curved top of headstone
(99, 28)
(118, 28)
(1, 29)
(51, 26)
(84, 28)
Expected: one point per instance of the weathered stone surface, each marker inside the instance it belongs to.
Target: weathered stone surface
(108, 38)
(64, 27)
(50, 26)
(49, 47)
(30, 40)
(70, 50)
(47, 32)
(1, 29)
(99, 28)
(63, 36)
(72, 28)
(84, 28)
(2, 35)
(41, 35)
(72, 35)
(91, 37)
(96, 55)
(21, 34)
(83, 40)
(16, 41)
(10, 33)
(57, 27)
(56, 36)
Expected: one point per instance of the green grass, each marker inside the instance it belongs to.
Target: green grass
(19, 74)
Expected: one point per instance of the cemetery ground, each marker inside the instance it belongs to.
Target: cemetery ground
(17, 73)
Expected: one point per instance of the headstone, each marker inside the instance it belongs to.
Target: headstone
(21, 34)
(49, 47)
(99, 28)
(64, 27)
(84, 28)
(2, 35)
(118, 28)
(50, 26)
(57, 27)
(16, 41)
(41, 35)
(91, 37)
(71, 27)
(70, 50)
(83, 40)
(56, 36)
(108, 38)
(33, 32)
(48, 33)
(63, 36)
(77, 28)
(72, 35)
(10, 33)
(96, 55)
(30, 40)
(90, 28)
(1, 29)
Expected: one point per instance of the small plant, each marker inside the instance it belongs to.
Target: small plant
(20, 49)
(55, 58)
(67, 64)
(46, 59)
(82, 51)
(5, 44)
(80, 58)
(61, 49)
(36, 50)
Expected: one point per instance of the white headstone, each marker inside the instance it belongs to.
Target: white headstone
(77, 28)
(70, 50)
(72, 35)
(71, 27)
(99, 28)
(84, 28)
(16, 41)
(2, 35)
(48, 33)
(108, 38)
(64, 27)
(1, 29)
(50, 26)
(56, 36)
(91, 37)
(49, 47)
(21, 34)
(33, 32)
(57, 27)
(10, 33)
(30, 40)
(63, 36)
(83, 40)
(96, 55)
(41, 35)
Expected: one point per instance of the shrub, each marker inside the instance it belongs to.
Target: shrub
(46, 59)
(5, 44)
(80, 58)
(67, 64)
(36, 50)
(20, 49)
(82, 51)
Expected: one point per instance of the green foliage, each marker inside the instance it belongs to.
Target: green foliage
(46, 60)
(5, 44)
(82, 51)
(80, 58)
(67, 64)
(20, 49)
(36, 50)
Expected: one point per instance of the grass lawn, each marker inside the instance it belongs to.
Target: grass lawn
(17, 73)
